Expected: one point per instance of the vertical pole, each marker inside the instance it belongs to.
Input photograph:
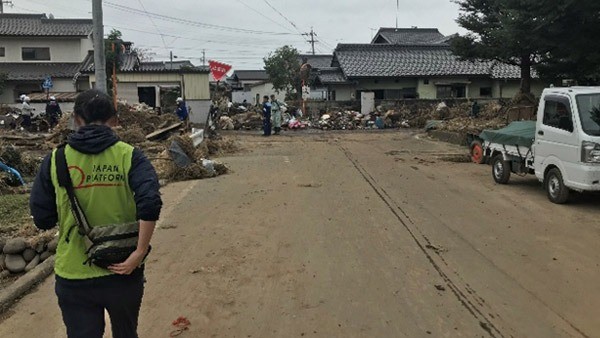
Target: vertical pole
(204, 57)
(171, 57)
(114, 79)
(99, 57)
(312, 40)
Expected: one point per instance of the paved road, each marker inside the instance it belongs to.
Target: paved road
(361, 235)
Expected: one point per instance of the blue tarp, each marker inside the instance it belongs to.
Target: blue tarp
(12, 171)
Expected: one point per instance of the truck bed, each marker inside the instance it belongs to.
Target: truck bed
(518, 134)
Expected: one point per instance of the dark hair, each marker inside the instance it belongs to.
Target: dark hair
(266, 97)
(94, 106)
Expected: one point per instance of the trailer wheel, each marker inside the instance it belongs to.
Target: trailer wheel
(477, 153)
(555, 187)
(500, 169)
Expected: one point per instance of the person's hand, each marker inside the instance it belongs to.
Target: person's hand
(133, 262)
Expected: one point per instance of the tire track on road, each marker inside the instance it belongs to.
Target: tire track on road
(485, 323)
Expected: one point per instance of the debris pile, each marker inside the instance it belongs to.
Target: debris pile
(182, 161)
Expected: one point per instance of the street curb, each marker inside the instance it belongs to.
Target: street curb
(25, 283)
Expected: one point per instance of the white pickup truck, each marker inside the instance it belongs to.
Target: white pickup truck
(562, 148)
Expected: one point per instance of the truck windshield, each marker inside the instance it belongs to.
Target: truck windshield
(589, 113)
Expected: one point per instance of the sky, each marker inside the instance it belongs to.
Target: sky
(243, 32)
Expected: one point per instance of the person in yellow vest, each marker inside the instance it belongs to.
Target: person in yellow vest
(114, 183)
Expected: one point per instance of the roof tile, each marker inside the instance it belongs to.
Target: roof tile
(40, 25)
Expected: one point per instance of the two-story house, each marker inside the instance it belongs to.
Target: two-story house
(34, 47)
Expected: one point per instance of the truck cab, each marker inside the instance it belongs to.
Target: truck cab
(566, 148)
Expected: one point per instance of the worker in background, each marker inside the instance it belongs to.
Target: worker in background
(475, 109)
(26, 112)
(276, 107)
(266, 116)
(182, 111)
(53, 112)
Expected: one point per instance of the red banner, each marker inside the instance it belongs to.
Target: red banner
(218, 69)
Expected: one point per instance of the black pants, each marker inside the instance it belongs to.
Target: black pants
(267, 124)
(82, 303)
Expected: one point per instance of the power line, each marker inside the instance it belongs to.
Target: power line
(263, 15)
(283, 16)
(180, 37)
(153, 23)
(189, 22)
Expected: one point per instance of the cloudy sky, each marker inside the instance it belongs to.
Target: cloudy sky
(242, 32)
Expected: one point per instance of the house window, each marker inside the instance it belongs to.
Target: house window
(485, 92)
(332, 95)
(558, 115)
(392, 94)
(35, 54)
(409, 93)
(426, 81)
(2, 52)
(444, 92)
(451, 91)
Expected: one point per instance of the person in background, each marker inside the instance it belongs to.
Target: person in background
(127, 191)
(276, 113)
(475, 109)
(266, 116)
(26, 112)
(53, 112)
(181, 110)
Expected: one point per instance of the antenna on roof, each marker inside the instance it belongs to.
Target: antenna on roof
(397, 12)
(2, 2)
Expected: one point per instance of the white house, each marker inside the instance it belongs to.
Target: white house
(34, 47)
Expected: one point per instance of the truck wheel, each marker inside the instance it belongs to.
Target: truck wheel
(477, 153)
(500, 169)
(555, 187)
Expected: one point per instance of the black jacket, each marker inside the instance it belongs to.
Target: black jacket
(95, 139)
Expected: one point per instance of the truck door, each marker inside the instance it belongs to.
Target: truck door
(555, 140)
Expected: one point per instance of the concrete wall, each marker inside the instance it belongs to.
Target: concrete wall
(261, 90)
(343, 92)
(128, 92)
(379, 84)
(196, 86)
(61, 49)
(199, 110)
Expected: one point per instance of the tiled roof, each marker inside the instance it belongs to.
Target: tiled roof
(40, 25)
(130, 63)
(408, 36)
(317, 61)
(250, 75)
(39, 71)
(368, 60)
(331, 76)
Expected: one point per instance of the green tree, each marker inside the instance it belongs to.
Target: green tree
(571, 33)
(283, 68)
(504, 30)
(112, 57)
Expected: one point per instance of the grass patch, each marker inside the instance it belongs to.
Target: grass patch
(14, 213)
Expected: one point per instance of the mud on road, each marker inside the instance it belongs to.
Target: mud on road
(360, 235)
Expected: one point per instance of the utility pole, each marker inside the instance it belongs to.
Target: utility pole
(2, 2)
(171, 58)
(99, 56)
(312, 40)
(204, 57)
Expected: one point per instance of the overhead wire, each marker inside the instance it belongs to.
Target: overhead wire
(153, 23)
(263, 15)
(190, 22)
(283, 16)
